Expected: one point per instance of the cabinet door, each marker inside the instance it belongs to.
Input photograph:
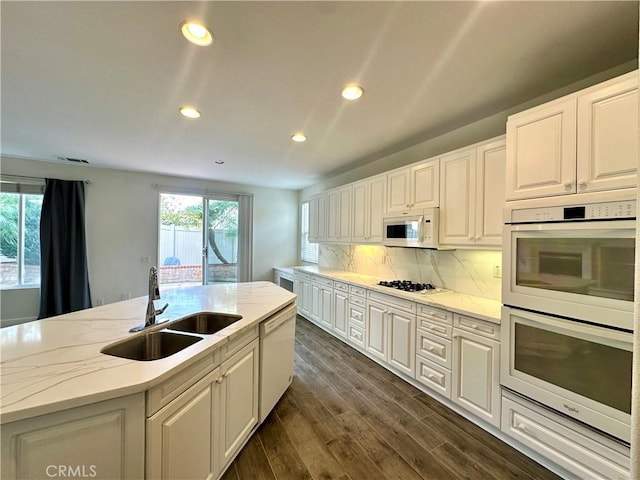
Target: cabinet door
(313, 219)
(425, 184)
(344, 215)
(326, 311)
(104, 440)
(541, 151)
(360, 199)
(315, 302)
(377, 203)
(398, 190)
(340, 312)
(608, 136)
(402, 341)
(238, 401)
(321, 221)
(333, 215)
(476, 382)
(458, 191)
(375, 339)
(182, 437)
(490, 174)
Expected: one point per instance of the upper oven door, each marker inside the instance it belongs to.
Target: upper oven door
(582, 270)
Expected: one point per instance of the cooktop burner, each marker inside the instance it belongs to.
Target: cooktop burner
(408, 286)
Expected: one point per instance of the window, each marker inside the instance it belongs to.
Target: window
(19, 239)
(309, 251)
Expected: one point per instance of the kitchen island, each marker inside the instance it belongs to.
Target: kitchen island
(53, 373)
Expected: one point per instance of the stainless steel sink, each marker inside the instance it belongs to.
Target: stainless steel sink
(151, 346)
(204, 322)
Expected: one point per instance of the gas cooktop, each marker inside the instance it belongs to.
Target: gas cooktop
(409, 286)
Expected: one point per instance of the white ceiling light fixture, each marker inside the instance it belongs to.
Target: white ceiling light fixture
(352, 92)
(190, 112)
(299, 137)
(196, 33)
(219, 162)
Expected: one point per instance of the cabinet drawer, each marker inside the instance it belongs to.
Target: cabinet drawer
(356, 335)
(435, 328)
(358, 291)
(161, 395)
(581, 451)
(237, 343)
(391, 301)
(433, 376)
(476, 326)
(435, 314)
(343, 287)
(325, 282)
(300, 277)
(436, 349)
(359, 301)
(356, 316)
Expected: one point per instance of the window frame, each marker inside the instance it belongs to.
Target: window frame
(307, 247)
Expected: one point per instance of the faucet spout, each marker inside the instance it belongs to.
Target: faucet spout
(154, 294)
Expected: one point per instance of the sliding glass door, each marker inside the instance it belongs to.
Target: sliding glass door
(204, 239)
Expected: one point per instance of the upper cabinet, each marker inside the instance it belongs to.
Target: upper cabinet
(339, 214)
(472, 195)
(412, 187)
(583, 142)
(318, 218)
(368, 206)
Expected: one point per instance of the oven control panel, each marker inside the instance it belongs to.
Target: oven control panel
(620, 210)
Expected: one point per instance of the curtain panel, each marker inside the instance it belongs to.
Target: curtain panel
(63, 250)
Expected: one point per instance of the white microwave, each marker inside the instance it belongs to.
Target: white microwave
(416, 229)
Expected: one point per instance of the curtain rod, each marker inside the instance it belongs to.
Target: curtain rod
(195, 191)
(87, 182)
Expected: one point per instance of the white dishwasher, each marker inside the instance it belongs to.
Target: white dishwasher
(277, 345)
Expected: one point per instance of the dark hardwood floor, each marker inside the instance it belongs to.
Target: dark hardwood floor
(345, 417)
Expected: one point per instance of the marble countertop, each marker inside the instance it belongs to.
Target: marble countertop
(55, 363)
(482, 308)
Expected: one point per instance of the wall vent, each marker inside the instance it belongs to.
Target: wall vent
(74, 160)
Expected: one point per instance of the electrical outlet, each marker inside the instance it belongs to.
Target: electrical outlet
(497, 271)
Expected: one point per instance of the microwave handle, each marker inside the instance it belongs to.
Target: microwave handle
(421, 229)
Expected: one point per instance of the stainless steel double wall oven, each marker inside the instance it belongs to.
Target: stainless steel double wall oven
(568, 291)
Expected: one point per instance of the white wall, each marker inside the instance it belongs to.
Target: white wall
(122, 209)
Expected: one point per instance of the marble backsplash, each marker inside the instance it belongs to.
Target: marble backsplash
(465, 271)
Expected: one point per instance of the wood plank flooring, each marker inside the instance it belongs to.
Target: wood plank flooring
(345, 417)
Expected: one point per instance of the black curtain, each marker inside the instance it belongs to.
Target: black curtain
(64, 284)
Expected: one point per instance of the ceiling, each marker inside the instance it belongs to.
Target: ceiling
(103, 81)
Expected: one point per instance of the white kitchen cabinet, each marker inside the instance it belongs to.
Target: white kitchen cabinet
(475, 372)
(414, 187)
(390, 332)
(183, 436)
(104, 440)
(302, 288)
(368, 207)
(584, 142)
(472, 195)
(238, 400)
(321, 310)
(318, 218)
(581, 451)
(340, 308)
(339, 215)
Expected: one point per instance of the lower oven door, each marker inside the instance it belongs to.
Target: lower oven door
(581, 370)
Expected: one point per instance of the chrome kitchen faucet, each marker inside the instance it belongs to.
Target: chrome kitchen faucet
(154, 294)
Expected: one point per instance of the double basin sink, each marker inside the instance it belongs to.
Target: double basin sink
(161, 344)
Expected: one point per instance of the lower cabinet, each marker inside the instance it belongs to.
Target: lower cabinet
(476, 375)
(198, 432)
(104, 440)
(340, 308)
(575, 448)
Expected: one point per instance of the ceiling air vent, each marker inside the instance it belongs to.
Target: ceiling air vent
(74, 160)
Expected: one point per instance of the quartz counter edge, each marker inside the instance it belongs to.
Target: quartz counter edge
(55, 364)
(479, 307)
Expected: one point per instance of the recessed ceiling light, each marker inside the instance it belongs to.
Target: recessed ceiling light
(352, 92)
(196, 33)
(299, 137)
(189, 111)
(219, 162)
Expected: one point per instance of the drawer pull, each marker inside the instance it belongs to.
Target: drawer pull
(474, 326)
(522, 427)
(431, 349)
